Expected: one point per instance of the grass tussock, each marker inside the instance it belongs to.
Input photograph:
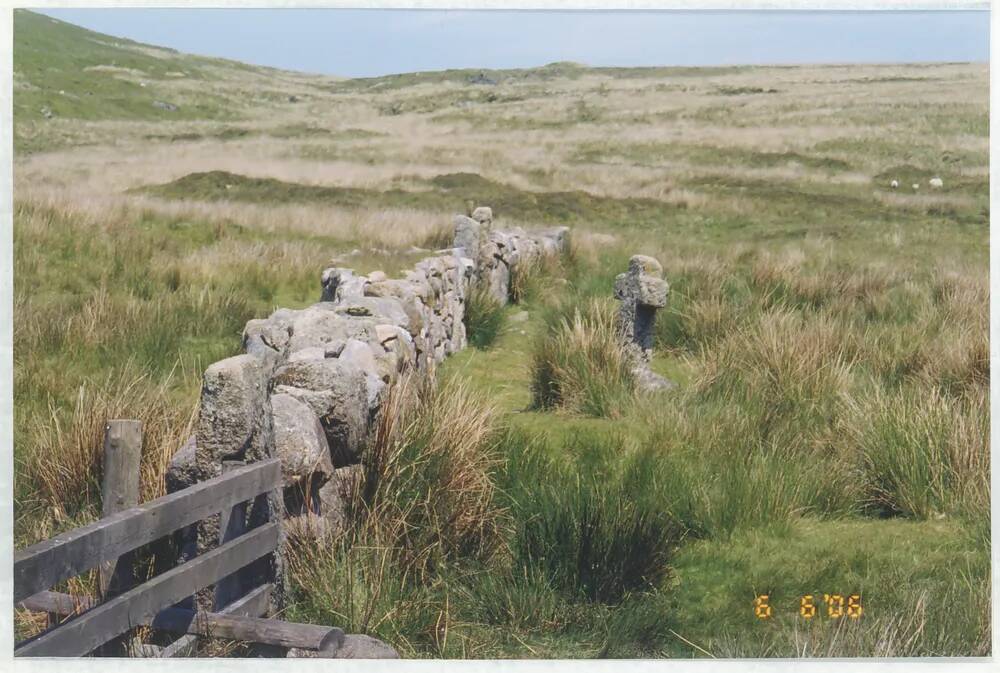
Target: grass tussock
(578, 364)
(64, 467)
(427, 504)
(582, 521)
(484, 317)
(431, 473)
(793, 368)
(532, 277)
(925, 454)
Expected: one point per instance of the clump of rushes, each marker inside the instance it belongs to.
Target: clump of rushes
(65, 464)
(484, 317)
(433, 477)
(524, 278)
(924, 453)
(427, 505)
(429, 473)
(578, 364)
(528, 276)
(581, 519)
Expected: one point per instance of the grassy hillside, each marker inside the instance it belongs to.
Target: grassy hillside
(64, 72)
(828, 333)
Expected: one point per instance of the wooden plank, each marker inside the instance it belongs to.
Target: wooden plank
(232, 524)
(58, 603)
(250, 629)
(81, 635)
(254, 604)
(119, 491)
(237, 622)
(42, 565)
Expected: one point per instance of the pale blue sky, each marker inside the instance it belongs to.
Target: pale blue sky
(359, 43)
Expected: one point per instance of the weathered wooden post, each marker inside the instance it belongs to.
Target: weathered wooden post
(119, 491)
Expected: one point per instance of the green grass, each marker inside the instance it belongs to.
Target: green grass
(56, 62)
(652, 154)
(578, 520)
(910, 607)
(76, 74)
(552, 71)
(484, 317)
(441, 193)
(829, 338)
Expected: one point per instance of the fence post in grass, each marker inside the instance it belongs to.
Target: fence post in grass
(119, 491)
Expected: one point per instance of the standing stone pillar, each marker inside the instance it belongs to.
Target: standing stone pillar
(471, 232)
(234, 424)
(642, 291)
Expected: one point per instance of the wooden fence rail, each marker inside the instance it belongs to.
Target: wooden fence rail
(42, 565)
(79, 636)
(237, 622)
(100, 624)
(126, 526)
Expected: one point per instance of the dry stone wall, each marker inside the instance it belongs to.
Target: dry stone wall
(310, 381)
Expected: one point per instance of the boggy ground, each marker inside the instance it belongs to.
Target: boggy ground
(829, 334)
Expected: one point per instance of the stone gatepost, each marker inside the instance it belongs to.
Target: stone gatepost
(235, 427)
(642, 291)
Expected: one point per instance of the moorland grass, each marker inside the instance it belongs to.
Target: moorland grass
(829, 335)
(578, 364)
(484, 317)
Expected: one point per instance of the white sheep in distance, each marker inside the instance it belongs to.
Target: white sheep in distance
(894, 184)
(916, 186)
(936, 183)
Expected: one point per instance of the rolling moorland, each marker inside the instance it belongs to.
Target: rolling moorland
(828, 334)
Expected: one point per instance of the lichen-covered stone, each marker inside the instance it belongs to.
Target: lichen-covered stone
(339, 284)
(182, 470)
(234, 415)
(383, 309)
(299, 441)
(468, 234)
(483, 215)
(322, 326)
(337, 392)
(641, 291)
(266, 336)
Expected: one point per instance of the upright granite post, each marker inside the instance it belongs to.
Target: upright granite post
(235, 424)
(641, 291)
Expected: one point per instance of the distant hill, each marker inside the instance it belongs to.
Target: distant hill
(551, 71)
(64, 72)
(68, 72)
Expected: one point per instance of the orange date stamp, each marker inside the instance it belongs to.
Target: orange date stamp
(832, 606)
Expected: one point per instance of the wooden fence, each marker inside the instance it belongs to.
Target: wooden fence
(96, 626)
